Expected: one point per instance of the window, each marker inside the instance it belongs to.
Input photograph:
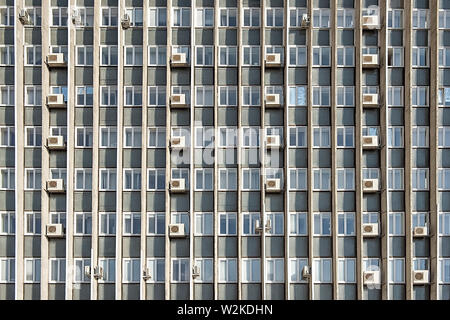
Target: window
(444, 179)
(395, 56)
(251, 17)
(181, 17)
(156, 137)
(108, 137)
(274, 173)
(157, 56)
(420, 137)
(108, 178)
(157, 96)
(35, 16)
(227, 56)
(33, 136)
(250, 179)
(181, 174)
(182, 49)
(345, 56)
(156, 223)
(321, 137)
(274, 17)
(203, 179)
(444, 137)
(204, 96)
(182, 218)
(420, 264)
(321, 18)
(444, 56)
(444, 19)
(227, 270)
(131, 270)
(251, 96)
(6, 95)
(86, 16)
(420, 96)
(133, 96)
(84, 137)
(85, 96)
(205, 268)
(420, 17)
(444, 96)
(276, 223)
(345, 96)
(7, 223)
(136, 16)
(296, 16)
(345, 179)
(57, 270)
(33, 96)
(180, 270)
(251, 270)
(7, 269)
(107, 223)
(346, 224)
(109, 17)
(371, 264)
(321, 270)
(58, 218)
(347, 270)
(370, 217)
(83, 223)
(227, 137)
(321, 96)
(322, 224)
(321, 179)
(419, 57)
(250, 137)
(345, 18)
(83, 179)
(251, 55)
(296, 269)
(133, 55)
(32, 270)
(7, 137)
(444, 270)
(397, 270)
(204, 137)
(298, 56)
(132, 179)
(227, 224)
(8, 180)
(85, 55)
(298, 179)
(395, 18)
(249, 223)
(132, 223)
(321, 56)
(157, 17)
(156, 179)
(395, 137)
(228, 96)
(228, 17)
(275, 270)
(299, 224)
(33, 179)
(59, 17)
(396, 224)
(204, 17)
(33, 56)
(156, 269)
(395, 96)
(345, 137)
(32, 223)
(395, 179)
(108, 96)
(419, 219)
(109, 55)
(297, 137)
(109, 269)
(419, 178)
(7, 16)
(132, 137)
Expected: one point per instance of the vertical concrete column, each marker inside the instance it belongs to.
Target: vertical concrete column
(216, 142)
(239, 151)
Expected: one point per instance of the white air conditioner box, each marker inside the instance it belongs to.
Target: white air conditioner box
(54, 230)
(370, 60)
(56, 143)
(178, 100)
(273, 60)
(177, 185)
(273, 141)
(55, 60)
(176, 230)
(420, 231)
(178, 142)
(179, 60)
(371, 277)
(126, 21)
(370, 229)
(55, 186)
(421, 276)
(370, 100)
(273, 185)
(56, 101)
(273, 101)
(370, 185)
(370, 22)
(370, 142)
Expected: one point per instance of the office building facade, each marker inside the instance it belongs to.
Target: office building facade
(224, 149)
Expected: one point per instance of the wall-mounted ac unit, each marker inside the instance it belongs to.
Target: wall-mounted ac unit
(370, 60)
(178, 101)
(273, 185)
(370, 229)
(273, 100)
(56, 101)
(371, 277)
(421, 231)
(195, 272)
(179, 60)
(176, 230)
(305, 21)
(55, 186)
(55, 230)
(306, 272)
(177, 185)
(24, 17)
(370, 100)
(421, 276)
(273, 60)
(370, 142)
(370, 185)
(178, 142)
(54, 60)
(56, 143)
(370, 22)
(126, 21)
(273, 141)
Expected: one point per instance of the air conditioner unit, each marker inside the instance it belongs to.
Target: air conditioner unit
(146, 274)
(178, 100)
(421, 231)
(370, 22)
(56, 143)
(273, 60)
(370, 185)
(54, 231)
(370, 142)
(370, 60)
(55, 60)
(178, 142)
(176, 230)
(306, 272)
(126, 21)
(177, 185)
(195, 272)
(55, 186)
(273, 141)
(370, 100)
(421, 276)
(371, 277)
(98, 272)
(370, 229)
(272, 100)
(24, 17)
(87, 271)
(273, 185)
(76, 18)
(179, 60)
(305, 20)
(56, 101)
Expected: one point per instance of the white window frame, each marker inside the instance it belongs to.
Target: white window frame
(136, 95)
(8, 136)
(201, 184)
(319, 228)
(86, 227)
(159, 174)
(396, 173)
(131, 270)
(318, 273)
(86, 143)
(112, 16)
(250, 171)
(109, 51)
(274, 270)
(10, 223)
(157, 55)
(296, 266)
(135, 133)
(35, 270)
(60, 264)
(347, 218)
(296, 183)
(254, 55)
(35, 219)
(248, 276)
(227, 270)
(134, 219)
(345, 179)
(227, 180)
(251, 13)
(152, 220)
(111, 223)
(135, 174)
(396, 223)
(137, 55)
(206, 268)
(160, 137)
(153, 266)
(297, 218)
(416, 175)
(177, 277)
(85, 174)
(111, 179)
(230, 220)
(84, 55)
